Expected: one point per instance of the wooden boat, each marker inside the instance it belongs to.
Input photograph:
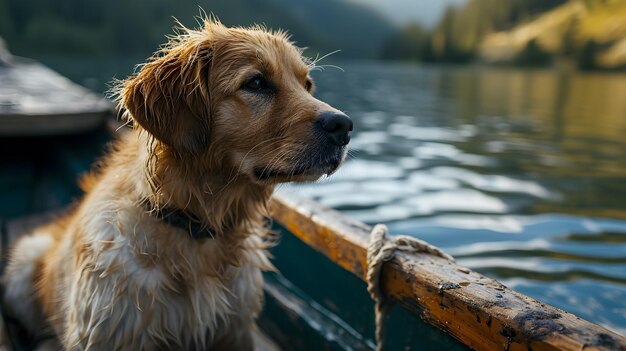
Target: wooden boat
(318, 301)
(35, 100)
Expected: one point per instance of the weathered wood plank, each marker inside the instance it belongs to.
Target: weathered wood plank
(478, 311)
(37, 101)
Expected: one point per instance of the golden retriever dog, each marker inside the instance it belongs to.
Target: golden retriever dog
(165, 250)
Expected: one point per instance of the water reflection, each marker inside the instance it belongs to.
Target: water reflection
(519, 174)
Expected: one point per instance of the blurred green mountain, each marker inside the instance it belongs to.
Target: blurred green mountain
(130, 27)
(588, 34)
(461, 30)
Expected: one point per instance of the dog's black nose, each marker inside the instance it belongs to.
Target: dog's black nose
(336, 126)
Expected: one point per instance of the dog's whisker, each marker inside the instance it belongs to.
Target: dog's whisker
(318, 58)
(322, 67)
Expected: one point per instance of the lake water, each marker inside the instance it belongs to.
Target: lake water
(521, 175)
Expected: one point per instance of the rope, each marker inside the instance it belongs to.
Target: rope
(381, 250)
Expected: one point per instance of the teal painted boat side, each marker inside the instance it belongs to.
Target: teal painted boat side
(40, 174)
(335, 304)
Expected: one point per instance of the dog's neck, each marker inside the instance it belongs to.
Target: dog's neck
(219, 198)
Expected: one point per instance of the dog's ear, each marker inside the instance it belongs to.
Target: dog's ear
(170, 98)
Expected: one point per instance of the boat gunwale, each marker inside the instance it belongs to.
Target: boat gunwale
(478, 311)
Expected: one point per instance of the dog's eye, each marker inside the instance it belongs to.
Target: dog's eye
(308, 85)
(256, 83)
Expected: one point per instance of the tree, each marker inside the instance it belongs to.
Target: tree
(533, 55)
(587, 57)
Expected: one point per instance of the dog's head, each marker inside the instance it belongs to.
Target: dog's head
(240, 98)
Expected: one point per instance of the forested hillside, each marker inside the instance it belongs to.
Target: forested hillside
(588, 34)
(123, 27)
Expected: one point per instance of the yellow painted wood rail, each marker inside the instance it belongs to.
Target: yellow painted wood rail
(478, 311)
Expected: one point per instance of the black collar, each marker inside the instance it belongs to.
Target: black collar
(182, 220)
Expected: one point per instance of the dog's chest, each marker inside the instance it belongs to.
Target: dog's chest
(168, 292)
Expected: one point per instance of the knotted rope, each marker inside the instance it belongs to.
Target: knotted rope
(380, 250)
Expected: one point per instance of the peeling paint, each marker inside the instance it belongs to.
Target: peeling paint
(448, 286)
